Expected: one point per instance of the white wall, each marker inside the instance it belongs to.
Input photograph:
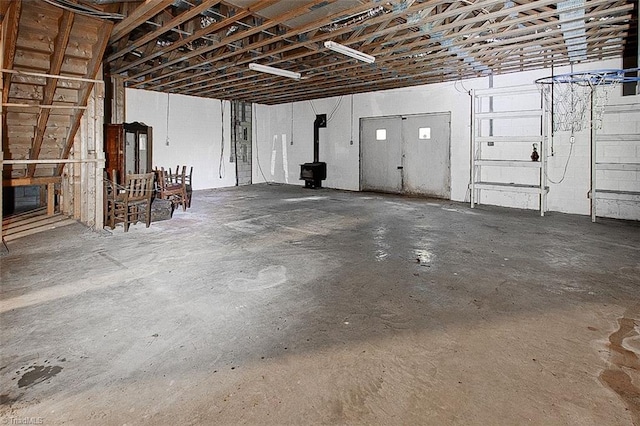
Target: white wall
(294, 122)
(191, 135)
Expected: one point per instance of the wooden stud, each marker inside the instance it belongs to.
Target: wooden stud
(83, 96)
(51, 199)
(60, 45)
(10, 24)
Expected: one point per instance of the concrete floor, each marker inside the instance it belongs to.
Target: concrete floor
(280, 305)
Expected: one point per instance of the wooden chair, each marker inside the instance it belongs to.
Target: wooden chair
(171, 190)
(180, 177)
(128, 203)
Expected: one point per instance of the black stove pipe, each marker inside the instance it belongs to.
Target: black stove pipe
(320, 121)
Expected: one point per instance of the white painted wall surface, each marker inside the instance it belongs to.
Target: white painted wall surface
(190, 135)
(294, 122)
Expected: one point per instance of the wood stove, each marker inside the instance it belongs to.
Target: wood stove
(314, 173)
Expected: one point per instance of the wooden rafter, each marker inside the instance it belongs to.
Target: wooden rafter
(92, 70)
(152, 36)
(11, 18)
(323, 37)
(259, 5)
(260, 44)
(57, 57)
(236, 37)
(437, 58)
(457, 39)
(421, 48)
(145, 11)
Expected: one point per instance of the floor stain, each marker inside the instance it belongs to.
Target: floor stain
(38, 374)
(5, 399)
(622, 358)
(268, 277)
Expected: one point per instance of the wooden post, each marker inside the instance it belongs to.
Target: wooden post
(3, 35)
(51, 199)
(118, 100)
(98, 147)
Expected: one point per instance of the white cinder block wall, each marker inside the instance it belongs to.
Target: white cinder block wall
(187, 130)
(283, 139)
(283, 136)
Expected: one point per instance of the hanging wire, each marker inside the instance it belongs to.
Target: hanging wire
(335, 108)
(221, 163)
(84, 10)
(168, 99)
(255, 120)
(291, 123)
(351, 141)
(313, 107)
(572, 141)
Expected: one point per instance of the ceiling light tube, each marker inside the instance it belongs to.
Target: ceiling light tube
(337, 47)
(275, 71)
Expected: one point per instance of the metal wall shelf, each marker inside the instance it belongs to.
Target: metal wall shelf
(596, 138)
(478, 162)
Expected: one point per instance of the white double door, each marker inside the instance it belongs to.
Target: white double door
(406, 154)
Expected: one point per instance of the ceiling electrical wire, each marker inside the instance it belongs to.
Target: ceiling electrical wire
(313, 107)
(254, 125)
(84, 10)
(335, 108)
(221, 163)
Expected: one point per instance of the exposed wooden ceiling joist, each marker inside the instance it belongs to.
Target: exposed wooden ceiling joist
(455, 39)
(147, 10)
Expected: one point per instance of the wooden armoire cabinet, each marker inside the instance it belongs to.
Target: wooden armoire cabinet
(128, 149)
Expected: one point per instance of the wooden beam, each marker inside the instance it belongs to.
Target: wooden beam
(152, 36)
(244, 34)
(259, 5)
(59, 77)
(252, 46)
(42, 106)
(385, 61)
(92, 70)
(51, 199)
(145, 11)
(280, 50)
(31, 181)
(11, 20)
(62, 40)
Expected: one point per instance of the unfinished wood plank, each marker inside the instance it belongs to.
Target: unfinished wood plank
(48, 227)
(145, 11)
(175, 22)
(92, 70)
(43, 222)
(64, 30)
(10, 24)
(28, 215)
(28, 222)
(31, 181)
(51, 199)
(259, 5)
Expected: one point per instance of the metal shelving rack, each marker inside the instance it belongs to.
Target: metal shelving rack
(596, 194)
(479, 115)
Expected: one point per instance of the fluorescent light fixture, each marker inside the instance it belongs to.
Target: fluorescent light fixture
(337, 47)
(275, 71)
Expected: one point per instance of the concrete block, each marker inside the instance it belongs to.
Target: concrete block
(161, 210)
